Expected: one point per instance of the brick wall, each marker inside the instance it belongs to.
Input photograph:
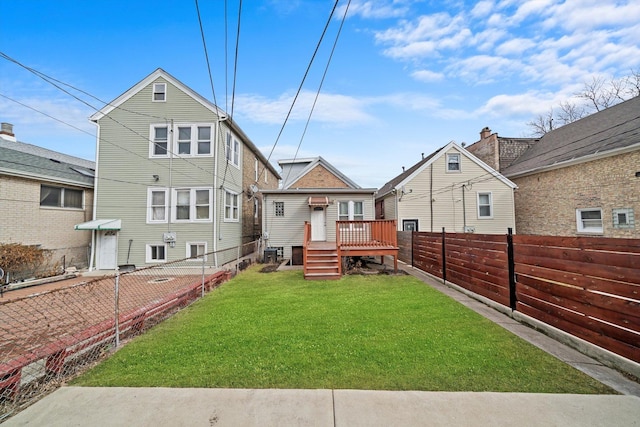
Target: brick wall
(546, 203)
(24, 221)
(252, 225)
(319, 177)
(486, 150)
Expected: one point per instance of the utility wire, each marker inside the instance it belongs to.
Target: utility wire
(306, 73)
(206, 55)
(315, 100)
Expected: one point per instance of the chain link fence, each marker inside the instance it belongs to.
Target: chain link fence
(48, 337)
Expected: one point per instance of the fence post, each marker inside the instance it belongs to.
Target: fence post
(117, 308)
(412, 265)
(203, 257)
(444, 258)
(512, 270)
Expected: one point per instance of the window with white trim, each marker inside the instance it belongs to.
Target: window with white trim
(232, 150)
(159, 141)
(231, 203)
(156, 252)
(351, 211)
(157, 205)
(279, 207)
(193, 140)
(159, 92)
(485, 205)
(192, 204)
(196, 251)
(623, 218)
(60, 197)
(453, 162)
(589, 220)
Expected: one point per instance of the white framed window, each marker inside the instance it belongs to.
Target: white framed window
(193, 140)
(279, 208)
(623, 218)
(60, 197)
(232, 150)
(351, 211)
(159, 92)
(231, 203)
(192, 204)
(485, 205)
(159, 146)
(453, 162)
(196, 251)
(256, 207)
(156, 252)
(589, 220)
(157, 205)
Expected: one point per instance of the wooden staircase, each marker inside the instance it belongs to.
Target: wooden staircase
(322, 264)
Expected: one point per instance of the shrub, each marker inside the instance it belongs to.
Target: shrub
(21, 261)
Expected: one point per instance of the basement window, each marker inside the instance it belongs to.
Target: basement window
(623, 218)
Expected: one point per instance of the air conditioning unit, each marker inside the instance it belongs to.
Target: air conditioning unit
(169, 237)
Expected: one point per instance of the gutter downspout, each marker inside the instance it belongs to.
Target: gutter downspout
(464, 211)
(431, 194)
(95, 199)
(215, 185)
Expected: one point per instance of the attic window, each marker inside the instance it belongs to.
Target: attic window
(159, 92)
(453, 162)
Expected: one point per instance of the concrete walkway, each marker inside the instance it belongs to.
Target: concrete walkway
(82, 406)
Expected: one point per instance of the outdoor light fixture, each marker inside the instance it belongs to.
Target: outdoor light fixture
(156, 177)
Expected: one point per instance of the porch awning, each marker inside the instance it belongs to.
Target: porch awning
(318, 201)
(100, 224)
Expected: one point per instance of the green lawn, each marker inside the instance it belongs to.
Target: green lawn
(276, 330)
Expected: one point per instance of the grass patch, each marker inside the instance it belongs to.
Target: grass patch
(362, 332)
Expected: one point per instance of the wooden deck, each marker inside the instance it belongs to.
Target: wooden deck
(323, 260)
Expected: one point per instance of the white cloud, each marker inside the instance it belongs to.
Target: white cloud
(376, 9)
(482, 9)
(515, 46)
(427, 76)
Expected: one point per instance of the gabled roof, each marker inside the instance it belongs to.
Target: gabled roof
(607, 132)
(414, 170)
(44, 168)
(308, 165)
(160, 73)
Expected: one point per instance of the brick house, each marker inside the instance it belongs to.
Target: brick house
(44, 193)
(580, 179)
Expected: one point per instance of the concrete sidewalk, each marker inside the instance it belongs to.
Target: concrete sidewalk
(84, 406)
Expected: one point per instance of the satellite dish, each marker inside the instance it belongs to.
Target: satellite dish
(253, 188)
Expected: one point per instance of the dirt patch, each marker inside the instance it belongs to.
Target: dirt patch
(269, 268)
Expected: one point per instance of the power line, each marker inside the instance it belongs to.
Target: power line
(206, 55)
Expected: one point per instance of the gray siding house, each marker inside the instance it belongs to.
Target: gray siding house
(169, 177)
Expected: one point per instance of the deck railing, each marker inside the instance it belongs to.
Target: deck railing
(366, 233)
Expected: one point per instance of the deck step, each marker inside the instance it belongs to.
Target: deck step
(322, 276)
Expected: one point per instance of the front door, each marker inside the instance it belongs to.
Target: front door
(108, 250)
(318, 224)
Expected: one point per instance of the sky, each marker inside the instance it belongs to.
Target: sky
(406, 77)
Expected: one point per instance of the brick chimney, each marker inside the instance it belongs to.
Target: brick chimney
(485, 133)
(6, 131)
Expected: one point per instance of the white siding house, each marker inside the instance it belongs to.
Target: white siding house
(450, 188)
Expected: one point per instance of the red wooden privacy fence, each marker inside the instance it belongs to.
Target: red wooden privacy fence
(586, 286)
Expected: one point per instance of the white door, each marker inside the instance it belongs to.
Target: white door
(108, 250)
(318, 224)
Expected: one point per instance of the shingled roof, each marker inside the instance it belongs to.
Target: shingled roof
(606, 132)
(62, 170)
(386, 188)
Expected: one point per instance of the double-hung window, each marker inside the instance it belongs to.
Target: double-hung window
(159, 92)
(157, 203)
(159, 141)
(60, 197)
(192, 204)
(232, 149)
(204, 140)
(184, 140)
(485, 205)
(453, 162)
(589, 220)
(231, 201)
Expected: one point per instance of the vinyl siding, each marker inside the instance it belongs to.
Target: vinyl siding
(288, 230)
(125, 173)
(448, 199)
